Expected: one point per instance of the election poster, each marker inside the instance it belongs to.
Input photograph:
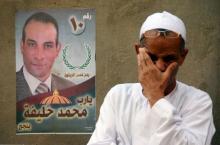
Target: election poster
(55, 71)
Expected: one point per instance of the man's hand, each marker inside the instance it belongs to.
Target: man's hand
(153, 81)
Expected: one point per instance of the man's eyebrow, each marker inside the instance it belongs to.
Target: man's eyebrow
(31, 40)
(171, 56)
(49, 42)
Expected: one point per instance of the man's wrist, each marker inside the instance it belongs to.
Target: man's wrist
(153, 98)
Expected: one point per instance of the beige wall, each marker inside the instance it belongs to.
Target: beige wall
(117, 23)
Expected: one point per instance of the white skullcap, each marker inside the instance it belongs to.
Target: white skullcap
(164, 20)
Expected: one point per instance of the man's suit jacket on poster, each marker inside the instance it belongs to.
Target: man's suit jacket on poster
(23, 90)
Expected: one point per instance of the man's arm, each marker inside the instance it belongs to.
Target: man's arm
(105, 132)
(193, 127)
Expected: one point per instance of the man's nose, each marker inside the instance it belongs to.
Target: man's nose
(39, 53)
(161, 65)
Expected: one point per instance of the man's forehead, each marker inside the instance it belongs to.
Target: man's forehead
(39, 24)
(40, 33)
(163, 44)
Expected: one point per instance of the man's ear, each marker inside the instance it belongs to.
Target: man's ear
(58, 48)
(21, 46)
(183, 55)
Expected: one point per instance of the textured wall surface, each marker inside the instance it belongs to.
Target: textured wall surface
(118, 23)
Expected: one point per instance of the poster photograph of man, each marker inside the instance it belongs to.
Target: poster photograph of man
(55, 71)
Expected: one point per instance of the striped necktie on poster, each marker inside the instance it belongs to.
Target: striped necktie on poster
(42, 88)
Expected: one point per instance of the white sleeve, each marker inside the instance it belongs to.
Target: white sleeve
(193, 127)
(105, 133)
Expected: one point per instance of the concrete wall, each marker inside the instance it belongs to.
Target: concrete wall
(118, 23)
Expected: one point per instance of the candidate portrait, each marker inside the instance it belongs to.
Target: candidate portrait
(39, 47)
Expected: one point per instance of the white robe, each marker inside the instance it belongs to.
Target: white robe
(183, 117)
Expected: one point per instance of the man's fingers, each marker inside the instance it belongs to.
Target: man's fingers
(171, 70)
(141, 59)
(137, 46)
(146, 58)
(138, 60)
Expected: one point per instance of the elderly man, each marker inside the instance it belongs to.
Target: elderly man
(159, 110)
(40, 47)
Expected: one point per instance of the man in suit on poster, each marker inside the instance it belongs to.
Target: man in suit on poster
(40, 47)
